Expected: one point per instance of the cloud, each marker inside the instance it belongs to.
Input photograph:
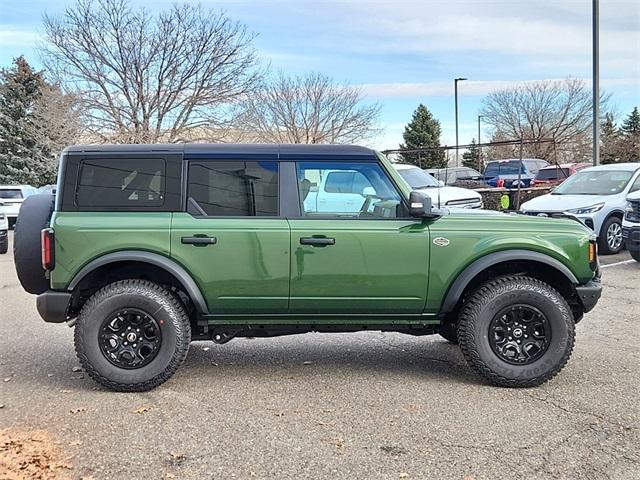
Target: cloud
(468, 88)
(17, 37)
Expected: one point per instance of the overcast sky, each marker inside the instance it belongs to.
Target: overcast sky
(404, 53)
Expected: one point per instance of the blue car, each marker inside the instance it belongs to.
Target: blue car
(504, 173)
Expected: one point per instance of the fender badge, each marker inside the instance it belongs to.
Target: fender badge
(441, 241)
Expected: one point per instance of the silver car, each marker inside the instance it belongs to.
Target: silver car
(595, 195)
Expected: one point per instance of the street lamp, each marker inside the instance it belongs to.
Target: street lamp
(595, 18)
(455, 89)
(479, 142)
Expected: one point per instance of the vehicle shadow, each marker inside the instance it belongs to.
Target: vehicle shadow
(323, 355)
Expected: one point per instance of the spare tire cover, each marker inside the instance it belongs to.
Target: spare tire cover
(34, 215)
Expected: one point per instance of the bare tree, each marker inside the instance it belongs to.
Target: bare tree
(309, 109)
(558, 110)
(56, 119)
(143, 78)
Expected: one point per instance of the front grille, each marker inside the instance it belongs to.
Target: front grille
(633, 215)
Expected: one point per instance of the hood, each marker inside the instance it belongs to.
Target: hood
(562, 203)
(450, 193)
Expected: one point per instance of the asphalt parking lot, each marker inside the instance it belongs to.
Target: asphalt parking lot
(365, 405)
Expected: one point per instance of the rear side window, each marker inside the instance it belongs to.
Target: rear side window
(233, 189)
(553, 173)
(121, 182)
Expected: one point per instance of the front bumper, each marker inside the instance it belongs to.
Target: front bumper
(589, 294)
(631, 235)
(53, 306)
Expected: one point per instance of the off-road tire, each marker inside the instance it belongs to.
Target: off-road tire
(481, 307)
(448, 332)
(603, 246)
(34, 215)
(635, 254)
(162, 305)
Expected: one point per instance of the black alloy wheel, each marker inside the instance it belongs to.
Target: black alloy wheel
(130, 338)
(519, 334)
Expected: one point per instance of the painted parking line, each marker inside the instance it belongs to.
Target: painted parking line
(617, 263)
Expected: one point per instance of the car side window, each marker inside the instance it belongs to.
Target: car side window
(121, 182)
(232, 189)
(636, 185)
(347, 190)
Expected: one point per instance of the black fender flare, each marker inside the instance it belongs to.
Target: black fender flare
(458, 286)
(165, 263)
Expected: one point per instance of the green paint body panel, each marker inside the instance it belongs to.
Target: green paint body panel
(246, 271)
(375, 266)
(85, 236)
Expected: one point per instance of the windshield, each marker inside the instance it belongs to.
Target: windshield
(17, 193)
(510, 167)
(594, 182)
(418, 178)
(553, 173)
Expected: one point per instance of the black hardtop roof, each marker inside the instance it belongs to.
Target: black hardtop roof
(234, 150)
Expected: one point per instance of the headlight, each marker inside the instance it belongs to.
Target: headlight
(628, 209)
(584, 210)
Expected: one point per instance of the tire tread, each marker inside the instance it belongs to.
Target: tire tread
(470, 315)
(142, 287)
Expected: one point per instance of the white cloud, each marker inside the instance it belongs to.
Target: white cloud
(468, 88)
(16, 37)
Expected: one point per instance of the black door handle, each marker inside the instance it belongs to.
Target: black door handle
(317, 241)
(200, 240)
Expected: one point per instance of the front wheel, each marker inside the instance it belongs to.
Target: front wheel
(132, 335)
(516, 331)
(635, 252)
(610, 239)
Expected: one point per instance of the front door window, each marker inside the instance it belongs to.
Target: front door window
(349, 190)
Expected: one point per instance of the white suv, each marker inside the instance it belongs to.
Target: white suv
(441, 195)
(11, 198)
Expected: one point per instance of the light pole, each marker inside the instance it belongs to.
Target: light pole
(596, 81)
(479, 147)
(455, 90)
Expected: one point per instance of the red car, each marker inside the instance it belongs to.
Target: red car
(556, 174)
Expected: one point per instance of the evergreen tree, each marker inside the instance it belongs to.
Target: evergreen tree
(610, 139)
(423, 131)
(630, 137)
(24, 157)
(471, 158)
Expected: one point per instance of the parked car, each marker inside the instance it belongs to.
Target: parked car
(631, 225)
(4, 233)
(150, 247)
(595, 195)
(11, 198)
(556, 174)
(508, 173)
(47, 189)
(459, 176)
(441, 195)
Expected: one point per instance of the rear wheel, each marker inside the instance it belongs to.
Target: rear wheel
(610, 240)
(516, 331)
(132, 335)
(4, 243)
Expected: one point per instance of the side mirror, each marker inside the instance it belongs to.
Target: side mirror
(419, 204)
(368, 192)
(441, 183)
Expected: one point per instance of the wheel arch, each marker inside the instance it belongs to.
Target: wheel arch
(147, 262)
(533, 263)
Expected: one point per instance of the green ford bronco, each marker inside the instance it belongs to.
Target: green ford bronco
(147, 247)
